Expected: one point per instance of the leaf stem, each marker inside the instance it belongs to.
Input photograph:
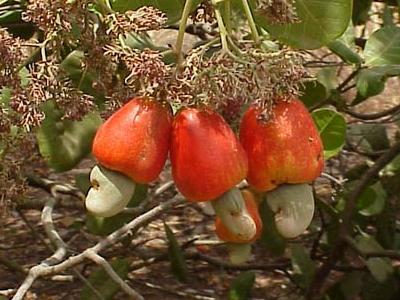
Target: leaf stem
(227, 16)
(250, 19)
(182, 28)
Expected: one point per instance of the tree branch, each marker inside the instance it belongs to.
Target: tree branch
(351, 202)
(45, 270)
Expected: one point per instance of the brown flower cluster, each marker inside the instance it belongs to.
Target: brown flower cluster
(135, 21)
(278, 11)
(10, 58)
(226, 83)
(147, 73)
(16, 152)
(56, 15)
(47, 82)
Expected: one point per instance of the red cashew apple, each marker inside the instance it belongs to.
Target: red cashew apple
(286, 148)
(206, 156)
(247, 217)
(135, 140)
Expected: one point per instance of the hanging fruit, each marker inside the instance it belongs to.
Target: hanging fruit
(135, 140)
(293, 205)
(238, 220)
(206, 156)
(110, 192)
(286, 148)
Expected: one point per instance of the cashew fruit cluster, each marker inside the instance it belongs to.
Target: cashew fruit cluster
(277, 157)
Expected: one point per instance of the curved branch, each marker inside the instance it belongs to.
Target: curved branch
(391, 111)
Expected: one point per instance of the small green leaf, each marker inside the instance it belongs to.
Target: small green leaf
(270, 237)
(371, 82)
(303, 266)
(328, 77)
(104, 226)
(82, 182)
(372, 200)
(241, 287)
(106, 286)
(382, 48)
(313, 92)
(176, 258)
(345, 53)
(64, 143)
(332, 129)
(368, 137)
(345, 48)
(380, 268)
(386, 226)
(321, 23)
(239, 253)
(139, 196)
(5, 96)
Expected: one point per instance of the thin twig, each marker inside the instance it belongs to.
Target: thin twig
(45, 270)
(113, 275)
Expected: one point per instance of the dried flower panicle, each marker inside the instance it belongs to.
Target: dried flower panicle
(278, 11)
(56, 15)
(226, 84)
(148, 73)
(16, 153)
(134, 21)
(11, 57)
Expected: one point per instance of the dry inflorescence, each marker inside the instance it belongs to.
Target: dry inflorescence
(226, 83)
(278, 11)
(135, 21)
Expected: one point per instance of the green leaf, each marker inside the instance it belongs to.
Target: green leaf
(241, 287)
(345, 53)
(313, 92)
(176, 258)
(344, 47)
(82, 182)
(368, 137)
(239, 253)
(380, 268)
(64, 143)
(103, 283)
(371, 82)
(321, 23)
(386, 226)
(383, 47)
(139, 196)
(104, 226)
(332, 128)
(372, 200)
(270, 237)
(5, 96)
(172, 8)
(328, 77)
(303, 266)
(392, 168)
